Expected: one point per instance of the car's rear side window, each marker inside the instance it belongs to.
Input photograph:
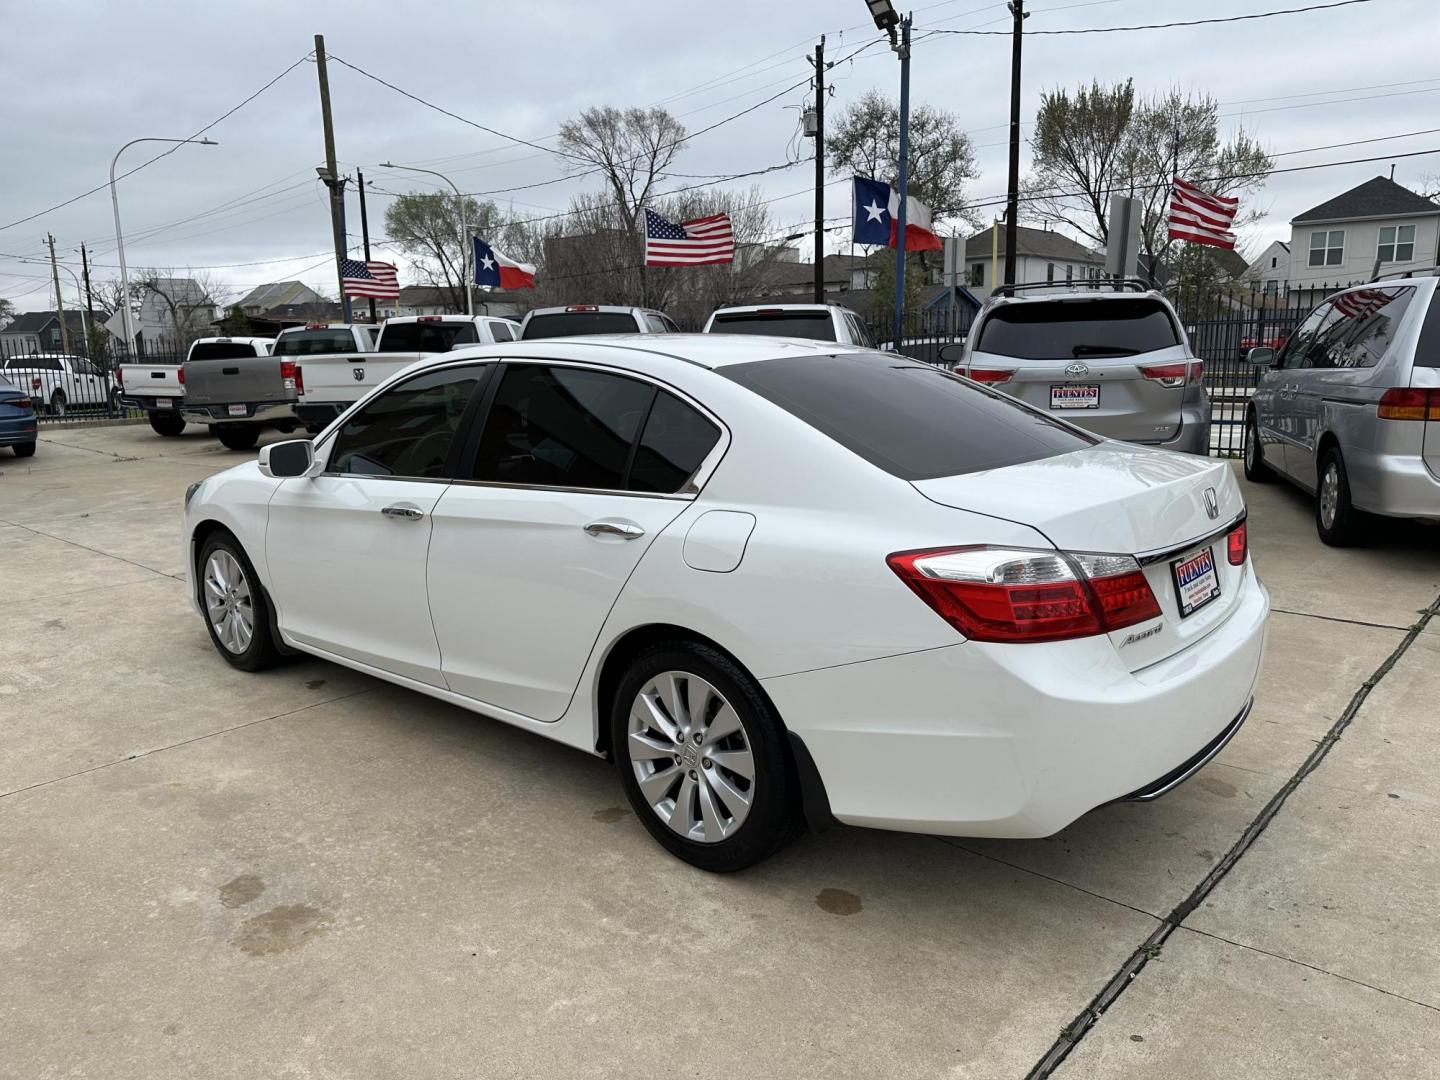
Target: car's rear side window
(222, 350)
(575, 323)
(314, 343)
(1076, 329)
(434, 337)
(815, 325)
(1427, 350)
(912, 420)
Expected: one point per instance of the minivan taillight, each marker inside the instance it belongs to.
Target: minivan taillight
(287, 374)
(1410, 403)
(992, 376)
(1017, 594)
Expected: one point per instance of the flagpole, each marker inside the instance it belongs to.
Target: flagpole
(904, 175)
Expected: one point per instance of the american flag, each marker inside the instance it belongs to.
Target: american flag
(1200, 217)
(375, 280)
(691, 243)
(1361, 303)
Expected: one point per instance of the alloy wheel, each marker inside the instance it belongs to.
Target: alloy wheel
(228, 602)
(691, 757)
(1329, 494)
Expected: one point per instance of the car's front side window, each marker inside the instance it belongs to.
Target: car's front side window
(409, 430)
(1297, 348)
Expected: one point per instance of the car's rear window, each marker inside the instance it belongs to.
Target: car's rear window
(816, 325)
(427, 336)
(314, 342)
(574, 323)
(221, 350)
(912, 420)
(1075, 329)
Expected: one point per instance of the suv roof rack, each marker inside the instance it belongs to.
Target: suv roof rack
(1096, 285)
(1429, 271)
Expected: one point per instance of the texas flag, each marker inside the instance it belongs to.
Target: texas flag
(876, 205)
(501, 271)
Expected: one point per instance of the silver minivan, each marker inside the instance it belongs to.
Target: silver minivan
(1349, 408)
(1113, 359)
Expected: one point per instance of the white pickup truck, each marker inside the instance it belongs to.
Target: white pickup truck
(330, 384)
(56, 382)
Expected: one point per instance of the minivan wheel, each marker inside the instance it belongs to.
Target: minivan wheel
(166, 423)
(1336, 519)
(703, 759)
(1256, 471)
(237, 612)
(238, 436)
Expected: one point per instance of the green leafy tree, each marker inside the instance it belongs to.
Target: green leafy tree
(433, 229)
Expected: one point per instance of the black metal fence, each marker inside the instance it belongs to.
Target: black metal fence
(77, 385)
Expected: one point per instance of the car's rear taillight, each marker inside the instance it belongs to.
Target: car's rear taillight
(21, 403)
(287, 373)
(1197, 372)
(181, 376)
(35, 383)
(119, 376)
(987, 375)
(1410, 403)
(1171, 375)
(299, 379)
(1016, 594)
(1237, 544)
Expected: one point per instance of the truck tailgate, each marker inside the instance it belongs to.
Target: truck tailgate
(250, 379)
(346, 377)
(151, 380)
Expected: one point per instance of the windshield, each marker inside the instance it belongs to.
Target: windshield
(222, 350)
(816, 325)
(314, 342)
(426, 336)
(574, 323)
(912, 420)
(1066, 330)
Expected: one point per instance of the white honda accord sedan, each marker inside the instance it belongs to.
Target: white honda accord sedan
(774, 580)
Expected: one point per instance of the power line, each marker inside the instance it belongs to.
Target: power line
(100, 187)
(1159, 26)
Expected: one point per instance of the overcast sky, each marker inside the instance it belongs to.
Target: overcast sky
(93, 76)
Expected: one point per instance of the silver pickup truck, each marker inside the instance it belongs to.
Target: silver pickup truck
(234, 385)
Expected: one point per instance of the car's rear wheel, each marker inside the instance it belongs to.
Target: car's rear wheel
(58, 403)
(1256, 470)
(25, 449)
(703, 758)
(238, 436)
(166, 423)
(237, 612)
(1337, 520)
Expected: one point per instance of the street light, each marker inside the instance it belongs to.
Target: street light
(464, 231)
(886, 20)
(120, 240)
(885, 16)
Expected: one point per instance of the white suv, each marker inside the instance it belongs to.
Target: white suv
(818, 322)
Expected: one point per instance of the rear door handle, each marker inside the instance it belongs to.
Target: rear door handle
(626, 530)
(404, 513)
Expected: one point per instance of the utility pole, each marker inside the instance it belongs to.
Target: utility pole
(1012, 200)
(365, 230)
(904, 179)
(89, 296)
(819, 63)
(333, 180)
(59, 299)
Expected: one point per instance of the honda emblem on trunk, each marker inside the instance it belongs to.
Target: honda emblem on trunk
(1076, 371)
(359, 374)
(1212, 504)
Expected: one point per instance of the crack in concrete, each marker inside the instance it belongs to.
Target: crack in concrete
(1337, 619)
(1074, 1032)
(85, 547)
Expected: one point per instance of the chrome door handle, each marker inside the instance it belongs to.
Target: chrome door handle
(404, 513)
(626, 530)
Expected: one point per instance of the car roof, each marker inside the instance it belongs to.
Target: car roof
(590, 309)
(709, 351)
(227, 338)
(751, 308)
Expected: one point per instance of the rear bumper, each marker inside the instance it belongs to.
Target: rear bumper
(151, 404)
(981, 739)
(1194, 434)
(265, 412)
(1395, 485)
(18, 429)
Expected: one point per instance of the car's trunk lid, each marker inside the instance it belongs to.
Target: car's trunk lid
(1120, 499)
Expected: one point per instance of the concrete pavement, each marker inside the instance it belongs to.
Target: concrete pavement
(312, 874)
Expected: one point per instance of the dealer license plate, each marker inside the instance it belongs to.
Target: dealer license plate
(1196, 581)
(237, 410)
(1074, 397)
(164, 403)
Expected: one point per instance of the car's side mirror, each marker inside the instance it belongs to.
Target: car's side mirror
(1261, 357)
(287, 460)
(953, 353)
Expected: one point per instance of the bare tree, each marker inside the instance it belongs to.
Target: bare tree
(188, 302)
(630, 149)
(1078, 146)
(427, 228)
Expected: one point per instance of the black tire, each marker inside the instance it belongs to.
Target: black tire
(774, 816)
(262, 651)
(238, 436)
(287, 427)
(58, 403)
(166, 423)
(25, 449)
(1345, 523)
(1256, 471)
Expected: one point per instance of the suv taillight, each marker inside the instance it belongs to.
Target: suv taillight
(35, 383)
(287, 373)
(1171, 375)
(1016, 594)
(987, 375)
(1197, 372)
(1409, 403)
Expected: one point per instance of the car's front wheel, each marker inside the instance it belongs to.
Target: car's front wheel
(703, 758)
(237, 612)
(1256, 471)
(1337, 520)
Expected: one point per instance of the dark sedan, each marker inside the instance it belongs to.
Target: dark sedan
(17, 419)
